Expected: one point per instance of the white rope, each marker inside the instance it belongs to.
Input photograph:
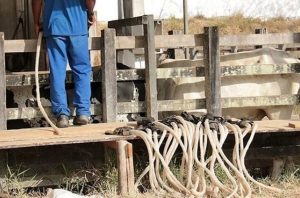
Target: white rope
(198, 177)
(56, 131)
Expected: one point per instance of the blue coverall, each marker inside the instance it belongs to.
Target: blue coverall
(66, 31)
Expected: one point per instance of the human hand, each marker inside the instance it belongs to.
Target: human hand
(91, 19)
(37, 28)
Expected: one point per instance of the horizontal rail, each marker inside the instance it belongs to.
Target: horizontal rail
(169, 105)
(27, 78)
(260, 39)
(169, 41)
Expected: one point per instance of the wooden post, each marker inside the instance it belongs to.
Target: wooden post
(150, 70)
(175, 53)
(109, 76)
(211, 52)
(3, 123)
(130, 168)
(260, 31)
(125, 167)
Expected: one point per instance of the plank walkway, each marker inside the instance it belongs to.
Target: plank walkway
(96, 133)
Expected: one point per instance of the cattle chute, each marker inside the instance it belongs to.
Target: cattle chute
(193, 136)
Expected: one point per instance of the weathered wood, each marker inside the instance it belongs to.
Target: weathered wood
(109, 80)
(21, 46)
(73, 135)
(128, 22)
(261, 39)
(278, 166)
(3, 123)
(122, 168)
(27, 78)
(260, 31)
(170, 105)
(261, 101)
(211, 61)
(130, 167)
(175, 53)
(150, 69)
(174, 41)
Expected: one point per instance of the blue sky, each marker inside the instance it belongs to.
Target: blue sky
(107, 9)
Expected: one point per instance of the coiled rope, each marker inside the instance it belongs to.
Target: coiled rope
(198, 177)
(56, 131)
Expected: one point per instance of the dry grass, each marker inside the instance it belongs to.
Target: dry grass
(235, 24)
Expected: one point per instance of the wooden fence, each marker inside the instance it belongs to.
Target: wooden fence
(109, 75)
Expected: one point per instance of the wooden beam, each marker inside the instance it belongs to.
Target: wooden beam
(3, 123)
(122, 168)
(128, 22)
(211, 61)
(170, 105)
(150, 68)
(261, 101)
(35, 137)
(260, 39)
(27, 78)
(109, 80)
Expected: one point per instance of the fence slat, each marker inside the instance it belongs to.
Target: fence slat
(150, 69)
(3, 124)
(211, 61)
(109, 79)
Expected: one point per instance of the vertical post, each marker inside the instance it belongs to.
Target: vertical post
(150, 70)
(211, 52)
(175, 53)
(260, 31)
(3, 123)
(109, 78)
(130, 167)
(122, 168)
(186, 24)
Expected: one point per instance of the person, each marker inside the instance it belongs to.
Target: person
(65, 27)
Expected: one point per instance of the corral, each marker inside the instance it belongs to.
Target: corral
(275, 139)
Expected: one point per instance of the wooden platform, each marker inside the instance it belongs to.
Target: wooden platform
(96, 133)
(73, 135)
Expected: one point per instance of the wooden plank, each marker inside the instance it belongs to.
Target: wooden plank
(170, 105)
(27, 78)
(128, 22)
(21, 46)
(130, 168)
(109, 80)
(174, 41)
(261, 101)
(3, 123)
(150, 69)
(211, 61)
(122, 168)
(73, 135)
(255, 39)
(260, 31)
(161, 41)
(248, 70)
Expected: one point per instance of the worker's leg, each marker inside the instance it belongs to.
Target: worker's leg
(57, 52)
(81, 69)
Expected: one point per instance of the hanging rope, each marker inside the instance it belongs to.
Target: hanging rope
(197, 176)
(56, 131)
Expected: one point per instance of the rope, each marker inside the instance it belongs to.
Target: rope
(197, 176)
(56, 131)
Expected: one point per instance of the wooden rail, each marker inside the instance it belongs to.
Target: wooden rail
(109, 43)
